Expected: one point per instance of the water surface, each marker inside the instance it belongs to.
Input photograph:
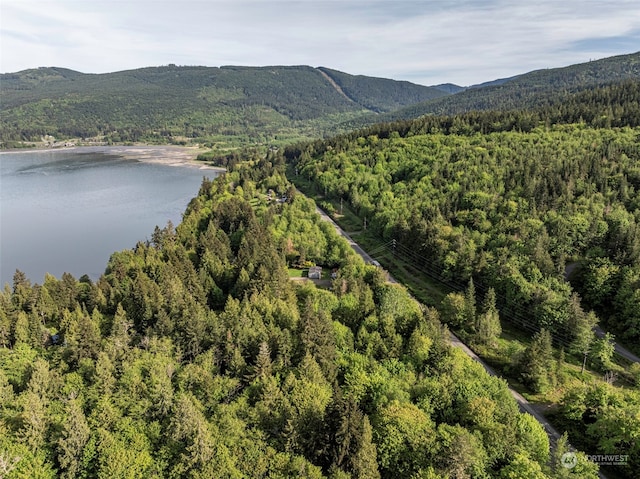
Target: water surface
(68, 210)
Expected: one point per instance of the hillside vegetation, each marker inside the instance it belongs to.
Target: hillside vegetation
(506, 198)
(228, 105)
(496, 205)
(530, 90)
(195, 356)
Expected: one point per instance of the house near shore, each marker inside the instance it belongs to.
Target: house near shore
(315, 272)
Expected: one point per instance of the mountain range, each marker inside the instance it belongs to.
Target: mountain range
(232, 106)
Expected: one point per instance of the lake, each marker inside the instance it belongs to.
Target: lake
(68, 210)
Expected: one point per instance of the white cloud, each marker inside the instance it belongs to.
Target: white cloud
(423, 41)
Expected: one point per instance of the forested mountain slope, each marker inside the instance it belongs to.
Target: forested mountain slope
(530, 90)
(380, 94)
(250, 103)
(502, 201)
(482, 192)
(239, 106)
(195, 356)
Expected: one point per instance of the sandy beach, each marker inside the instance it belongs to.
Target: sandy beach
(165, 154)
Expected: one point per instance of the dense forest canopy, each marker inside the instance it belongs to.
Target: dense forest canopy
(203, 353)
(549, 86)
(505, 201)
(505, 198)
(194, 355)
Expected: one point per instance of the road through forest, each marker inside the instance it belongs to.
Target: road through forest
(523, 404)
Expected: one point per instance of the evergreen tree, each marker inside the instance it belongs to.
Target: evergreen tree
(73, 438)
(317, 338)
(364, 459)
(21, 332)
(34, 420)
(5, 322)
(470, 310)
(537, 363)
(120, 335)
(21, 290)
(263, 365)
(581, 325)
(488, 327)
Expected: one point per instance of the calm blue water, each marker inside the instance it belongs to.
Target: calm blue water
(68, 210)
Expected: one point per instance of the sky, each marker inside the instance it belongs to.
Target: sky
(423, 41)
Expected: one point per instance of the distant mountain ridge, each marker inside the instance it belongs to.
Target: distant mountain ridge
(235, 106)
(253, 104)
(528, 90)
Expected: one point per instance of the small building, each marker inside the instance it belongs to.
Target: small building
(315, 272)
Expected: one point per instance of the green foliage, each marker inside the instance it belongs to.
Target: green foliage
(505, 205)
(379, 94)
(536, 364)
(200, 358)
(222, 107)
(602, 352)
(605, 419)
(73, 439)
(488, 327)
(541, 87)
(405, 439)
(521, 466)
(530, 433)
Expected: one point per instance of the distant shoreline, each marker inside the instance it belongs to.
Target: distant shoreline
(170, 155)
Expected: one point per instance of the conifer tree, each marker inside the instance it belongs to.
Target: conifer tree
(263, 365)
(470, 310)
(317, 338)
(536, 368)
(488, 327)
(73, 438)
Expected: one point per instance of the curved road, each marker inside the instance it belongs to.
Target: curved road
(619, 349)
(356, 247)
(523, 404)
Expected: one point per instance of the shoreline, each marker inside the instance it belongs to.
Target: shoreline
(170, 155)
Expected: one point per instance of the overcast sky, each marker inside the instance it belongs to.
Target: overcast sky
(423, 41)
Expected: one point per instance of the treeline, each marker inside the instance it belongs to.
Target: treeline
(194, 355)
(613, 105)
(530, 90)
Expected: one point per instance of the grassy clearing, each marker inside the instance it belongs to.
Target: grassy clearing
(297, 273)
